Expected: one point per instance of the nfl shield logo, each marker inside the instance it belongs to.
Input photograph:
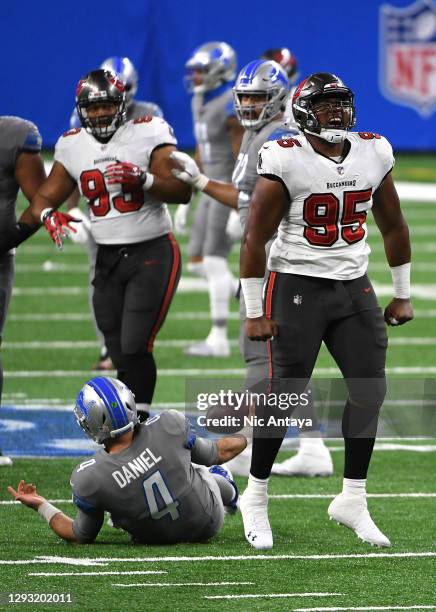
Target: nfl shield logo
(408, 55)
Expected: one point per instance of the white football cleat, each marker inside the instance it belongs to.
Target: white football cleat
(310, 460)
(240, 465)
(209, 349)
(5, 461)
(256, 524)
(352, 511)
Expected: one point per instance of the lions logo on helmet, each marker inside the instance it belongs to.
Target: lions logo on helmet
(126, 71)
(266, 85)
(105, 409)
(210, 66)
(311, 97)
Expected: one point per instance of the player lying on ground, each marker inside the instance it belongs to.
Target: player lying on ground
(143, 476)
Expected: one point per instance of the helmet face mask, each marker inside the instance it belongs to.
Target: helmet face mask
(101, 88)
(324, 106)
(125, 70)
(210, 66)
(260, 93)
(105, 409)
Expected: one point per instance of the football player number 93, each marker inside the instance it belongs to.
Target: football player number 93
(95, 191)
(321, 213)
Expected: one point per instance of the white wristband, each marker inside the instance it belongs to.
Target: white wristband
(401, 281)
(252, 290)
(45, 213)
(148, 182)
(201, 181)
(47, 511)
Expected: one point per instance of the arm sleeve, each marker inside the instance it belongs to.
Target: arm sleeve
(87, 525)
(204, 452)
(386, 157)
(32, 140)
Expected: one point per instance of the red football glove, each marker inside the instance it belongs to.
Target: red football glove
(125, 173)
(58, 226)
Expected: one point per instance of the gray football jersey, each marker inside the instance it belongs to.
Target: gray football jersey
(210, 112)
(16, 136)
(150, 489)
(245, 173)
(137, 108)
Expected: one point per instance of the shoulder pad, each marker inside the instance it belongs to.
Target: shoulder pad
(143, 119)
(71, 132)
(282, 133)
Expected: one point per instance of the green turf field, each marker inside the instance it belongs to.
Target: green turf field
(49, 346)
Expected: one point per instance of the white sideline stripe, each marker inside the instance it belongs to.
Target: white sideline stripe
(179, 584)
(200, 315)
(181, 559)
(131, 573)
(419, 192)
(176, 373)
(199, 285)
(271, 595)
(12, 502)
(87, 344)
(370, 608)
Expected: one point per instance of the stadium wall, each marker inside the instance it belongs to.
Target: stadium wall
(47, 46)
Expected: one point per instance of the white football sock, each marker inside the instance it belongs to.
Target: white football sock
(354, 486)
(196, 267)
(257, 487)
(220, 283)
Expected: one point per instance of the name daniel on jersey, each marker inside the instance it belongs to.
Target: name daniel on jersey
(135, 468)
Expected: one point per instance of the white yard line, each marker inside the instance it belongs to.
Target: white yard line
(199, 372)
(217, 558)
(180, 343)
(197, 315)
(179, 584)
(277, 496)
(131, 573)
(370, 608)
(271, 595)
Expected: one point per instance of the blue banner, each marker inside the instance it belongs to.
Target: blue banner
(386, 52)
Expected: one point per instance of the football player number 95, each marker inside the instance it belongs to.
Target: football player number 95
(95, 191)
(321, 213)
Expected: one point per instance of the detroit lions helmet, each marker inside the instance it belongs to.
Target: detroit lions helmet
(310, 98)
(286, 59)
(210, 66)
(105, 409)
(126, 71)
(266, 80)
(99, 87)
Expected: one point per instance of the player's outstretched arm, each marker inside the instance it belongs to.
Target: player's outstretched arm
(59, 522)
(166, 187)
(230, 446)
(395, 233)
(267, 208)
(188, 171)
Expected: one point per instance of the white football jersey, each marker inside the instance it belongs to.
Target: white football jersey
(324, 232)
(118, 215)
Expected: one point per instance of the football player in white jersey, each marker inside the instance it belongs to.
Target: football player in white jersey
(315, 189)
(123, 169)
(126, 71)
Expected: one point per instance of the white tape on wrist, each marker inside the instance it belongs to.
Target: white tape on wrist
(252, 290)
(45, 213)
(47, 511)
(148, 182)
(201, 181)
(401, 281)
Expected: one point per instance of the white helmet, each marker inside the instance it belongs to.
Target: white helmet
(105, 408)
(126, 71)
(217, 62)
(266, 79)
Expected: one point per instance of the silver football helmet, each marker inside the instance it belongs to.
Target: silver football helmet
(215, 62)
(263, 79)
(105, 408)
(125, 70)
